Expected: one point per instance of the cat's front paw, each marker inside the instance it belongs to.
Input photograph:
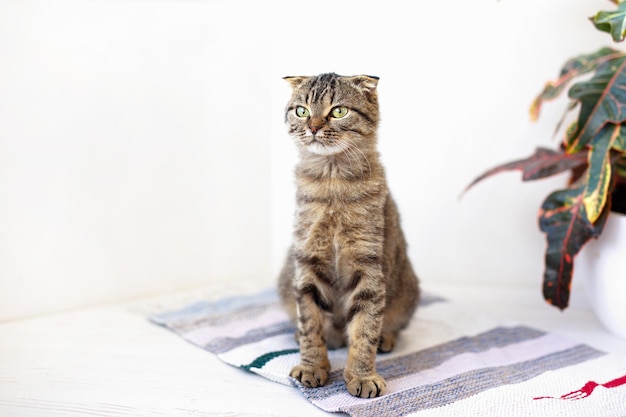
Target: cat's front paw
(367, 387)
(310, 376)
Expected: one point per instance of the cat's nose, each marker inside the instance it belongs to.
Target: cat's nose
(316, 124)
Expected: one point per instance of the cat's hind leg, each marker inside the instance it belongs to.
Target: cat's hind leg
(399, 309)
(387, 341)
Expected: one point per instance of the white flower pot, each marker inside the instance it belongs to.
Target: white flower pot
(601, 266)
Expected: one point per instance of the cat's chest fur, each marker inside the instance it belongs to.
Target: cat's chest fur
(336, 214)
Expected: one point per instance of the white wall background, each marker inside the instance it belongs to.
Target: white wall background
(142, 148)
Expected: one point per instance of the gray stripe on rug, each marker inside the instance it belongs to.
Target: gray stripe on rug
(432, 357)
(465, 385)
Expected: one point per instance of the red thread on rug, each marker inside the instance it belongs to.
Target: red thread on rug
(587, 389)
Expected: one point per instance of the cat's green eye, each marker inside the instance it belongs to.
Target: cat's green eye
(339, 112)
(302, 111)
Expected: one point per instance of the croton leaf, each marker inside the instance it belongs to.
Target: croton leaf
(620, 141)
(599, 171)
(564, 220)
(543, 163)
(573, 68)
(613, 22)
(602, 100)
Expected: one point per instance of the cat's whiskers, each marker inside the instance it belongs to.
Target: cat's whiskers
(349, 150)
(354, 149)
(345, 149)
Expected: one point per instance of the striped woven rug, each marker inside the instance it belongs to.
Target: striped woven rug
(446, 363)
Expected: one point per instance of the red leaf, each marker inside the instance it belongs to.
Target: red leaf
(543, 163)
(564, 220)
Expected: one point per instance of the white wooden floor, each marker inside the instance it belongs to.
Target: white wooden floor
(110, 361)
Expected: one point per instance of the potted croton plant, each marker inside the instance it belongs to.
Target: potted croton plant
(593, 149)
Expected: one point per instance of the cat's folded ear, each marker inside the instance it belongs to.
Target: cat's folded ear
(366, 83)
(295, 82)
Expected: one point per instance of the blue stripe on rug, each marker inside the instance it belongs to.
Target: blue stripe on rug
(427, 299)
(204, 315)
(224, 344)
(207, 308)
(227, 306)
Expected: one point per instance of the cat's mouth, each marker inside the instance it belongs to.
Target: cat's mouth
(320, 148)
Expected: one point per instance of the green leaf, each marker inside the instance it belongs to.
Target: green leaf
(543, 163)
(613, 22)
(599, 172)
(573, 68)
(564, 220)
(602, 100)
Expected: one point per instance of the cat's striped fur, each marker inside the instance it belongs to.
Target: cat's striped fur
(347, 278)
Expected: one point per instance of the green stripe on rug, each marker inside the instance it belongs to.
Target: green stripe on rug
(263, 359)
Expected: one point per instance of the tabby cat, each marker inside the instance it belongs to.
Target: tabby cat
(347, 278)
